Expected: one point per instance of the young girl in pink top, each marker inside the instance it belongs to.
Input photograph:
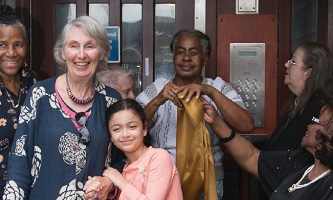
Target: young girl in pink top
(150, 172)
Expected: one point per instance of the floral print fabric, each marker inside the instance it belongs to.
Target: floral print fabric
(9, 118)
(47, 160)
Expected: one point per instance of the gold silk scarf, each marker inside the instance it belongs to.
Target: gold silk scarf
(194, 157)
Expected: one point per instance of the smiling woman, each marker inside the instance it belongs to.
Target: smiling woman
(305, 173)
(15, 81)
(62, 130)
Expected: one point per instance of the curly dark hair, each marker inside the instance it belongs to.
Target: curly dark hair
(204, 39)
(324, 149)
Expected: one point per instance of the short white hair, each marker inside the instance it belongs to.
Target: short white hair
(110, 75)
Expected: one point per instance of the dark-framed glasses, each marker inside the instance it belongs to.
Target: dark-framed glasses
(84, 135)
(317, 121)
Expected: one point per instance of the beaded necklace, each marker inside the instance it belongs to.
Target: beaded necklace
(298, 185)
(76, 100)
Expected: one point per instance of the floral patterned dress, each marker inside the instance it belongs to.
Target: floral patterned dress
(47, 160)
(9, 118)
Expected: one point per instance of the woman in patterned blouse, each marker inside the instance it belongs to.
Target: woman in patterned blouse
(61, 136)
(15, 81)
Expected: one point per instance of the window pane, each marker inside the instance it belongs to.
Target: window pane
(100, 12)
(131, 36)
(164, 31)
(64, 14)
(303, 11)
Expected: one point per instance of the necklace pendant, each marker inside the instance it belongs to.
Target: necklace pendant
(298, 185)
(11, 101)
(291, 188)
(16, 106)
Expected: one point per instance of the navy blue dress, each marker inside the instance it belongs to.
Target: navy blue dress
(9, 118)
(48, 161)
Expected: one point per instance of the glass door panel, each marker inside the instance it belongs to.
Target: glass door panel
(64, 14)
(100, 12)
(164, 30)
(131, 37)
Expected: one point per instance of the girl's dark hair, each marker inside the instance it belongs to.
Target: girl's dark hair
(126, 104)
(324, 149)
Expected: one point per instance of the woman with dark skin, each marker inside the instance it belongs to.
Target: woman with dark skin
(305, 173)
(15, 81)
(191, 50)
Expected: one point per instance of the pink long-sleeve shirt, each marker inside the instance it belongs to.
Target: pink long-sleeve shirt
(153, 176)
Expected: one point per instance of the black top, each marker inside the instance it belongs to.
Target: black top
(290, 136)
(278, 170)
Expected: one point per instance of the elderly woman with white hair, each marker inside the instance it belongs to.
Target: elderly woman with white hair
(61, 138)
(119, 78)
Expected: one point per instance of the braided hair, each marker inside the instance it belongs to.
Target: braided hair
(8, 18)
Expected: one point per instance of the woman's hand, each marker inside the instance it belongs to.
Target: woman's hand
(169, 93)
(210, 114)
(190, 90)
(97, 187)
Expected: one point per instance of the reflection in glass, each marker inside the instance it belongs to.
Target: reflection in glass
(131, 36)
(64, 14)
(100, 12)
(164, 31)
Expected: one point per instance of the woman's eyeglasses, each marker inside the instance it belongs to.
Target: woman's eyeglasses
(291, 63)
(84, 136)
(316, 121)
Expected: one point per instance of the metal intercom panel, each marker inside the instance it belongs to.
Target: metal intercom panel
(247, 75)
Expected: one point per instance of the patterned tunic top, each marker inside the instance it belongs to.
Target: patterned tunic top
(9, 118)
(164, 123)
(47, 160)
